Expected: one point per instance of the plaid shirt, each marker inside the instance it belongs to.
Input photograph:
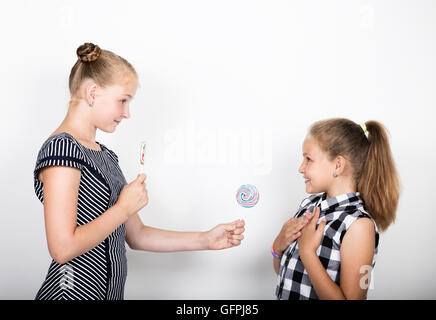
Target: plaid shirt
(293, 282)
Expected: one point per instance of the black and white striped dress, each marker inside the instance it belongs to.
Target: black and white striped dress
(100, 273)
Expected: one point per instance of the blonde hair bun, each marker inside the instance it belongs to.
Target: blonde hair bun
(88, 52)
(102, 66)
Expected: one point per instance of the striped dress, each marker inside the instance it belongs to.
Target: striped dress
(100, 273)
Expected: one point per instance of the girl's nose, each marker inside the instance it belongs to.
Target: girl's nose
(301, 168)
(126, 112)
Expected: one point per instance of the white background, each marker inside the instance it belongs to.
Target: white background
(228, 91)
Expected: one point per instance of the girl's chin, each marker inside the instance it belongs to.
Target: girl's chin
(310, 189)
(108, 129)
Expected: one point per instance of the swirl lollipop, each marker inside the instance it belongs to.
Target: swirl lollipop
(142, 156)
(247, 196)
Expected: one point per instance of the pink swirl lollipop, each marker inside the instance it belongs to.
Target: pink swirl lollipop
(247, 196)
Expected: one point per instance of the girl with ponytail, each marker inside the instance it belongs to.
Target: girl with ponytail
(329, 248)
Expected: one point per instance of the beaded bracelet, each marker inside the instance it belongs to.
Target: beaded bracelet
(275, 255)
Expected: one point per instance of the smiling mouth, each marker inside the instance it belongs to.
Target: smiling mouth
(117, 122)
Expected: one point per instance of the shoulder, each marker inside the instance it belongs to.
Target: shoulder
(60, 150)
(362, 235)
(59, 144)
(61, 136)
(355, 213)
(359, 225)
(362, 225)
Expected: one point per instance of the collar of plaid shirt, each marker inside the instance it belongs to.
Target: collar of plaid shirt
(329, 204)
(350, 201)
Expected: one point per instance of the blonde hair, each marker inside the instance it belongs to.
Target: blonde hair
(371, 159)
(103, 66)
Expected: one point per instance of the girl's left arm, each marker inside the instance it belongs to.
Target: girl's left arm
(142, 237)
(357, 250)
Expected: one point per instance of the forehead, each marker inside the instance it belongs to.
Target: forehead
(310, 146)
(128, 88)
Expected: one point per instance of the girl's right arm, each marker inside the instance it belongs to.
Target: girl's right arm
(65, 239)
(289, 233)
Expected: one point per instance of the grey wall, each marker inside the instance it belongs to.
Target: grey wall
(228, 90)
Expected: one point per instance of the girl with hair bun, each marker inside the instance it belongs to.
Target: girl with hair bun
(329, 248)
(89, 209)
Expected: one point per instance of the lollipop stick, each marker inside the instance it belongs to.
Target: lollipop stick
(142, 156)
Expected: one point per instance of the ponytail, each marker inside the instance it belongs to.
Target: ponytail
(379, 184)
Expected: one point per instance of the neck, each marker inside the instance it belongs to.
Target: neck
(77, 124)
(341, 186)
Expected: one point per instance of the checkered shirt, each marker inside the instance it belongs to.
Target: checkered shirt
(293, 282)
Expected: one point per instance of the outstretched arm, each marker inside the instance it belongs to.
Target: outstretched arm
(357, 251)
(222, 236)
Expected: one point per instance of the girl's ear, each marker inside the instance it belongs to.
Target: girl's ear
(90, 90)
(340, 165)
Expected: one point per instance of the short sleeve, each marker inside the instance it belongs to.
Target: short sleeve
(60, 151)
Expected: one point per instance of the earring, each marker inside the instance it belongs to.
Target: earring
(335, 175)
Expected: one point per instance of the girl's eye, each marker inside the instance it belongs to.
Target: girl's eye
(308, 159)
(123, 101)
